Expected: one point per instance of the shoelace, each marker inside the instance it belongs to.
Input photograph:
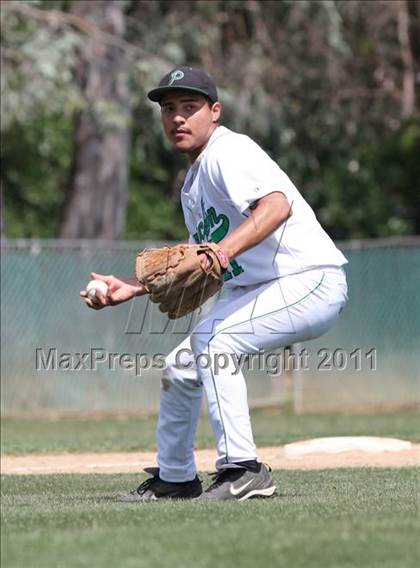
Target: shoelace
(225, 474)
(143, 487)
(220, 477)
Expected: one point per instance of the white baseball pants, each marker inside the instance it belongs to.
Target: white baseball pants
(245, 320)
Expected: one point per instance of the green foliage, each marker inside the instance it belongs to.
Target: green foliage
(37, 69)
(351, 195)
(154, 209)
(396, 169)
(371, 190)
(36, 160)
(317, 84)
(151, 215)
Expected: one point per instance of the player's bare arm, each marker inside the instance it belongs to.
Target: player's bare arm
(267, 214)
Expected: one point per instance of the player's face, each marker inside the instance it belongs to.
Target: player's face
(188, 121)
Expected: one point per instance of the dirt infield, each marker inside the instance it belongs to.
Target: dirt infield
(133, 462)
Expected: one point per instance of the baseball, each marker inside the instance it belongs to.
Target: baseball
(94, 286)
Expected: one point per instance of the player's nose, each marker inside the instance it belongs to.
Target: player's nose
(178, 119)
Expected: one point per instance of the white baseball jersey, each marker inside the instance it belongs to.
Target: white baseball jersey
(230, 174)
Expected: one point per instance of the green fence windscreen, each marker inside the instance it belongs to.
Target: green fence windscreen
(370, 359)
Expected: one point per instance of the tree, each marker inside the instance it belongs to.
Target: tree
(95, 204)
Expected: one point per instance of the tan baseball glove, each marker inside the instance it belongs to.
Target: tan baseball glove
(176, 279)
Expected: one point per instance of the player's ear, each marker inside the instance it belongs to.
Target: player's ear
(216, 111)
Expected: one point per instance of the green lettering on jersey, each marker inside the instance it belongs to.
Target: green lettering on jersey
(205, 234)
(236, 268)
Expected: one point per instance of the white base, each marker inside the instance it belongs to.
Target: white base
(368, 444)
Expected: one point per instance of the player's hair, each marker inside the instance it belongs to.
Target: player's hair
(211, 103)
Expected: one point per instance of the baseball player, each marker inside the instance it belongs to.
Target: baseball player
(283, 283)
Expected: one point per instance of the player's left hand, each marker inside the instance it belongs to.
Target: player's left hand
(182, 277)
(205, 261)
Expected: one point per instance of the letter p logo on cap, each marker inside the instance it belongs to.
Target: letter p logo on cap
(176, 76)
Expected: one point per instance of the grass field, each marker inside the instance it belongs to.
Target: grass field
(342, 518)
(271, 427)
(361, 518)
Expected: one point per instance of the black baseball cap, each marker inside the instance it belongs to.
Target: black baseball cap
(187, 79)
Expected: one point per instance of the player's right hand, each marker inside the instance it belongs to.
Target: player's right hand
(119, 291)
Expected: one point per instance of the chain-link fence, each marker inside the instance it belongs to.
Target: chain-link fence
(58, 355)
(371, 359)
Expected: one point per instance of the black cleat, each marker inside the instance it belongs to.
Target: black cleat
(155, 488)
